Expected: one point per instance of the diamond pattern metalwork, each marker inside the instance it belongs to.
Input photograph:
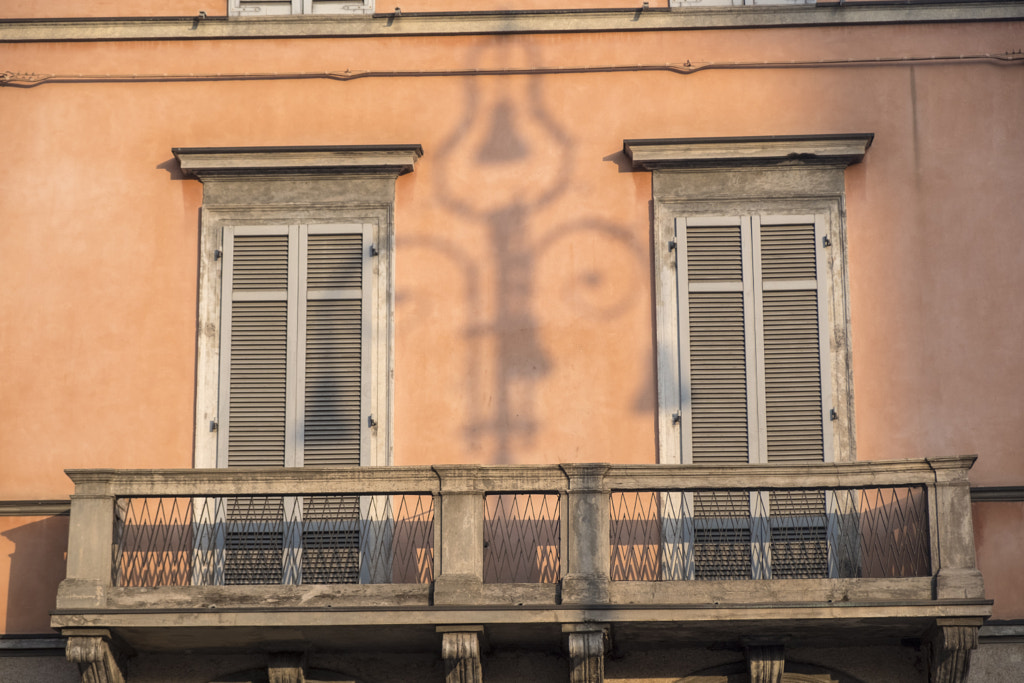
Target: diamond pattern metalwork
(777, 534)
(522, 538)
(216, 540)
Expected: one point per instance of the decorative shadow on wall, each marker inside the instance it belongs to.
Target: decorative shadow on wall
(507, 160)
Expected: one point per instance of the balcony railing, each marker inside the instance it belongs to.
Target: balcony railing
(730, 534)
(676, 541)
(248, 540)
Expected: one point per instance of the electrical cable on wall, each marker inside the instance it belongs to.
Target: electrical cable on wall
(16, 79)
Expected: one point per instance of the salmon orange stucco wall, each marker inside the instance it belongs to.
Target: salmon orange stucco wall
(523, 293)
(524, 314)
(33, 551)
(999, 536)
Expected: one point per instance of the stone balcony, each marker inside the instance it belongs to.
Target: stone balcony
(416, 558)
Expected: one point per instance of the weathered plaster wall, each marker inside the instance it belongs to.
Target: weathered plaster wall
(47, 669)
(997, 663)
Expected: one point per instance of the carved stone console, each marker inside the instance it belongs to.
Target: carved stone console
(99, 660)
(460, 649)
(951, 647)
(766, 663)
(588, 644)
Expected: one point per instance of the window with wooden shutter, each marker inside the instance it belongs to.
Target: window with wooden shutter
(754, 384)
(752, 332)
(294, 392)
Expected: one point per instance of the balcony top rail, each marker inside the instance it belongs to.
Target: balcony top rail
(516, 478)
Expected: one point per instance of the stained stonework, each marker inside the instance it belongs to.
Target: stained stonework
(97, 660)
(586, 654)
(765, 663)
(951, 653)
(461, 653)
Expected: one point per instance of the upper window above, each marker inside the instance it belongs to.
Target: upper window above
(266, 8)
(732, 3)
(750, 285)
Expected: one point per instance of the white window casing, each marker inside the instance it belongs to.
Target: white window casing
(269, 8)
(298, 194)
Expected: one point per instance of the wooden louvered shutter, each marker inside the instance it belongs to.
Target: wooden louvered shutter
(257, 318)
(794, 382)
(255, 310)
(334, 347)
(716, 359)
(792, 339)
(295, 346)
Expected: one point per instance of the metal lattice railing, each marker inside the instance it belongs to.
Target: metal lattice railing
(777, 534)
(226, 540)
(522, 538)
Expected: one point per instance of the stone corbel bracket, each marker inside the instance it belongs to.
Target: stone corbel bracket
(460, 650)
(951, 647)
(100, 658)
(667, 153)
(588, 644)
(766, 663)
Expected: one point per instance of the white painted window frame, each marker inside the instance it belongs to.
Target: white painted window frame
(265, 8)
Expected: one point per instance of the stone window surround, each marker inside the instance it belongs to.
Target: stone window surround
(728, 176)
(275, 185)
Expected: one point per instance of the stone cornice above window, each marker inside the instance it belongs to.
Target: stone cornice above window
(226, 162)
(832, 150)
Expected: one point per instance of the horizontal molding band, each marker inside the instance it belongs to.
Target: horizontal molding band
(997, 494)
(34, 508)
(1002, 632)
(20, 643)
(475, 23)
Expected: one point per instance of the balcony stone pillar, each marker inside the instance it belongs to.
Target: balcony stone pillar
(588, 546)
(588, 644)
(99, 658)
(460, 649)
(951, 645)
(461, 572)
(953, 531)
(90, 551)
